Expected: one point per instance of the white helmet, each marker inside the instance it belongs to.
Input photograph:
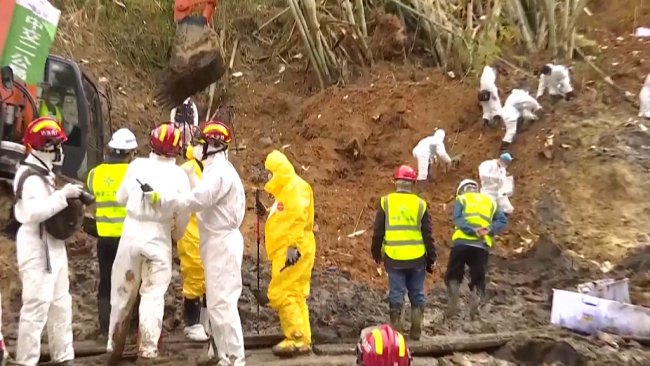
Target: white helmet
(465, 183)
(123, 139)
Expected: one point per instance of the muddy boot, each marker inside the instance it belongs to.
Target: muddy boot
(207, 360)
(194, 331)
(417, 317)
(486, 123)
(395, 314)
(477, 299)
(64, 363)
(453, 293)
(291, 348)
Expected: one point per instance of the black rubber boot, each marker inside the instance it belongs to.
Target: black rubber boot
(478, 299)
(453, 293)
(395, 313)
(417, 318)
(192, 311)
(104, 313)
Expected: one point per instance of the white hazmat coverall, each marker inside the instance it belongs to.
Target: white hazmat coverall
(558, 82)
(493, 183)
(428, 148)
(518, 104)
(644, 99)
(492, 107)
(145, 250)
(46, 295)
(195, 115)
(219, 202)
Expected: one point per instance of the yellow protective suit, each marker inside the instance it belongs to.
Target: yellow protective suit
(188, 253)
(290, 223)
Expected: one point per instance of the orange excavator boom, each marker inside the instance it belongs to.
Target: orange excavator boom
(183, 8)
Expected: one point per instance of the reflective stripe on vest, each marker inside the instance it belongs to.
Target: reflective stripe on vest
(403, 239)
(478, 211)
(45, 112)
(103, 182)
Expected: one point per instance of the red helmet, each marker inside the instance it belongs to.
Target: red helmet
(215, 133)
(405, 172)
(166, 140)
(42, 132)
(383, 347)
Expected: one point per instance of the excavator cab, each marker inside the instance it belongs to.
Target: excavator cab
(68, 94)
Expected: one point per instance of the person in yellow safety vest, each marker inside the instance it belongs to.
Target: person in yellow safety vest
(192, 267)
(104, 181)
(477, 219)
(403, 241)
(50, 98)
(291, 248)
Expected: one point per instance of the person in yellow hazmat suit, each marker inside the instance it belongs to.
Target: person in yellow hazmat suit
(192, 268)
(291, 248)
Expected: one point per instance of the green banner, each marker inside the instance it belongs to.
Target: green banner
(31, 34)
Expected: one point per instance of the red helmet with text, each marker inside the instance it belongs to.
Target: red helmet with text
(44, 132)
(383, 346)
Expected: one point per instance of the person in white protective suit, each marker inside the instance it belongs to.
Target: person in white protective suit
(488, 96)
(42, 259)
(427, 149)
(144, 254)
(644, 99)
(219, 202)
(185, 113)
(556, 79)
(495, 182)
(519, 106)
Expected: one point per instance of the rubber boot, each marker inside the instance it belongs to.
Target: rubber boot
(478, 298)
(417, 317)
(395, 313)
(486, 123)
(453, 293)
(194, 331)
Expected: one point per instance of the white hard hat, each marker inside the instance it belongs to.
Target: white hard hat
(123, 139)
(464, 183)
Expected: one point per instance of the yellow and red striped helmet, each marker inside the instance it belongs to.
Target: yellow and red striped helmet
(166, 140)
(43, 131)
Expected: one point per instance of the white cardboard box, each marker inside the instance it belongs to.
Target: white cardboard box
(608, 289)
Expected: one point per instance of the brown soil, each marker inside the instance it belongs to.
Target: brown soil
(586, 205)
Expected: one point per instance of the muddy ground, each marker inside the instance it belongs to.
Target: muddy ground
(581, 209)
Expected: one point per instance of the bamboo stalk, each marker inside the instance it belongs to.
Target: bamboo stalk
(565, 27)
(314, 30)
(276, 16)
(572, 42)
(361, 17)
(552, 33)
(305, 39)
(524, 27)
(312, 45)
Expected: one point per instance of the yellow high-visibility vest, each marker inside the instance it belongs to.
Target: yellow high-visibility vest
(403, 238)
(478, 211)
(45, 112)
(103, 182)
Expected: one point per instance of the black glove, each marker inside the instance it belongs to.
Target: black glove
(431, 263)
(293, 255)
(378, 261)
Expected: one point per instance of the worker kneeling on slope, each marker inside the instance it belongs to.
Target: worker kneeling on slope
(220, 204)
(644, 99)
(477, 219)
(291, 248)
(403, 241)
(144, 255)
(519, 106)
(104, 181)
(382, 346)
(429, 148)
(42, 259)
(556, 79)
(496, 183)
(488, 97)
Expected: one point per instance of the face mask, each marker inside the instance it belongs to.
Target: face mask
(270, 176)
(198, 152)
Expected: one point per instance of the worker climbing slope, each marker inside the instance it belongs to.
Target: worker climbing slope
(220, 204)
(496, 183)
(488, 96)
(144, 255)
(403, 241)
(644, 99)
(556, 79)
(104, 181)
(291, 248)
(477, 219)
(42, 259)
(518, 106)
(427, 149)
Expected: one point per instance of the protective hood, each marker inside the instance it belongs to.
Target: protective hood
(278, 164)
(440, 134)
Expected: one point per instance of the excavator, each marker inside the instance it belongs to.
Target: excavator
(72, 96)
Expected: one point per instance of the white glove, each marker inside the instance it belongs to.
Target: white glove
(191, 175)
(72, 190)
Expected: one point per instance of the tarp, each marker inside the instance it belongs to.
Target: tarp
(28, 41)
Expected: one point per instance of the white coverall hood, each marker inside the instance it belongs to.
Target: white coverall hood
(427, 149)
(493, 181)
(144, 255)
(46, 297)
(644, 99)
(220, 205)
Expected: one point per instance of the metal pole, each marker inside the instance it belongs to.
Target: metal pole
(259, 239)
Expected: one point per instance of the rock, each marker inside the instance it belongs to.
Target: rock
(588, 46)
(400, 106)
(265, 141)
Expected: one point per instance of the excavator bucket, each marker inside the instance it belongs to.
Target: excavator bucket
(195, 64)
